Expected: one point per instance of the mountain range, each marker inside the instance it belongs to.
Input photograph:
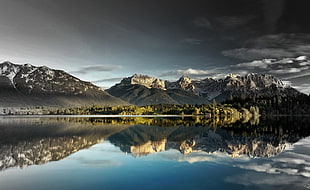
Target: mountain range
(142, 89)
(28, 85)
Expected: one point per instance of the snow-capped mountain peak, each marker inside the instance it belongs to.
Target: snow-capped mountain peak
(28, 78)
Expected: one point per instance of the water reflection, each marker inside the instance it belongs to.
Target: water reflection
(289, 170)
(35, 141)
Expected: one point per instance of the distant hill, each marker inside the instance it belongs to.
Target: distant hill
(27, 85)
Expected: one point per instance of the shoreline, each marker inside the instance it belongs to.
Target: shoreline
(95, 116)
(118, 116)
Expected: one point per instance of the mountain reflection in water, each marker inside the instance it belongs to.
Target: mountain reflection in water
(36, 141)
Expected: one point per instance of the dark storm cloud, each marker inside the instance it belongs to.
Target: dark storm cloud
(97, 68)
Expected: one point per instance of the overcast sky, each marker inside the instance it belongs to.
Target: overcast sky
(106, 40)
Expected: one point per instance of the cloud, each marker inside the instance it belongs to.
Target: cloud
(289, 70)
(295, 161)
(202, 22)
(97, 68)
(300, 81)
(272, 46)
(303, 88)
(262, 64)
(215, 73)
(115, 79)
(100, 163)
(278, 181)
(278, 66)
(257, 53)
(290, 168)
(96, 162)
(189, 72)
(201, 156)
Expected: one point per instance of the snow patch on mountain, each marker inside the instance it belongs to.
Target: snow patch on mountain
(9, 70)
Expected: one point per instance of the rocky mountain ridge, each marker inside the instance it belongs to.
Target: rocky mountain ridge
(30, 85)
(30, 79)
(24, 85)
(209, 88)
(146, 90)
(147, 81)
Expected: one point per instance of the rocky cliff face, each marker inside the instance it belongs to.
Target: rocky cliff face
(221, 89)
(253, 81)
(184, 83)
(9, 70)
(30, 85)
(234, 85)
(148, 148)
(145, 90)
(144, 80)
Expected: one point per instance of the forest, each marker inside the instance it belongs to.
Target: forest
(275, 105)
(236, 107)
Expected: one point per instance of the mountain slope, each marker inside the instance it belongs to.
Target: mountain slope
(152, 92)
(27, 85)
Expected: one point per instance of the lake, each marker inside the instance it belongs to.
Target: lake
(153, 153)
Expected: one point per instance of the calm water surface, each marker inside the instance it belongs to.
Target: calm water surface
(153, 153)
